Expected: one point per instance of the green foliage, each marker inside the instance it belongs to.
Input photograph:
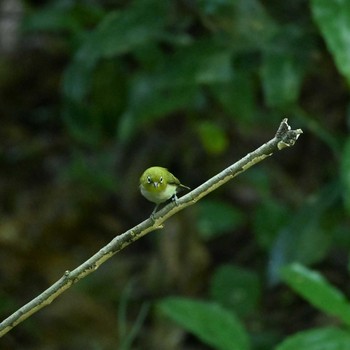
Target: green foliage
(333, 19)
(236, 288)
(237, 96)
(316, 339)
(59, 16)
(211, 323)
(213, 137)
(94, 92)
(128, 336)
(269, 219)
(245, 23)
(308, 229)
(286, 58)
(314, 288)
(94, 173)
(216, 218)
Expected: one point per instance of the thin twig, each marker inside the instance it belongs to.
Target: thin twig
(285, 137)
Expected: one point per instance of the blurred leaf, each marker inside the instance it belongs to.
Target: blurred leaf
(246, 23)
(123, 31)
(314, 288)
(77, 80)
(316, 339)
(281, 76)
(202, 62)
(128, 335)
(268, 219)
(284, 65)
(108, 93)
(265, 339)
(259, 179)
(216, 218)
(149, 56)
(237, 96)
(333, 19)
(118, 33)
(236, 288)
(52, 19)
(89, 124)
(149, 101)
(174, 85)
(213, 137)
(318, 128)
(63, 16)
(345, 174)
(209, 322)
(297, 241)
(95, 173)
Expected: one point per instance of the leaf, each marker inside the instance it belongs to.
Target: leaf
(284, 64)
(333, 19)
(268, 220)
(118, 33)
(148, 103)
(314, 288)
(201, 62)
(208, 321)
(236, 288)
(213, 137)
(123, 31)
(297, 240)
(216, 218)
(89, 123)
(63, 16)
(246, 23)
(148, 100)
(237, 97)
(317, 339)
(95, 174)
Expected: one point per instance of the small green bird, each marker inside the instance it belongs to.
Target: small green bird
(158, 184)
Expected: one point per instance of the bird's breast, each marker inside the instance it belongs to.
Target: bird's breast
(159, 196)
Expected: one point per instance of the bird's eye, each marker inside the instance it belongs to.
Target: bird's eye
(161, 179)
(149, 180)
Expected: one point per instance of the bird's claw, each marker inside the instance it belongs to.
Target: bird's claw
(175, 199)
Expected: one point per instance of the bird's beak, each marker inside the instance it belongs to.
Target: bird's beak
(155, 184)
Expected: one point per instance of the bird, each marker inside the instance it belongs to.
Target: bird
(158, 184)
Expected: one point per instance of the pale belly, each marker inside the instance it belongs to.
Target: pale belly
(159, 197)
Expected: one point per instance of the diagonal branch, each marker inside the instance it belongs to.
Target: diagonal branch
(285, 137)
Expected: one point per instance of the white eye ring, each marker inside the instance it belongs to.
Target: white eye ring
(149, 180)
(161, 179)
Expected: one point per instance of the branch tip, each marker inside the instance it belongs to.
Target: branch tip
(286, 136)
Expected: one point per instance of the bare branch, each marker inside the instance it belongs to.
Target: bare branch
(285, 137)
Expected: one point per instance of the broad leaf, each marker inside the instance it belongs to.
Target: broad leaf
(333, 19)
(315, 288)
(284, 63)
(317, 339)
(209, 322)
(304, 239)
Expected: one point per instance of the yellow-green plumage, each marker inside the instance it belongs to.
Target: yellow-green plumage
(158, 184)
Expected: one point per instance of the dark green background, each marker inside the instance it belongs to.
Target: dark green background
(94, 92)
